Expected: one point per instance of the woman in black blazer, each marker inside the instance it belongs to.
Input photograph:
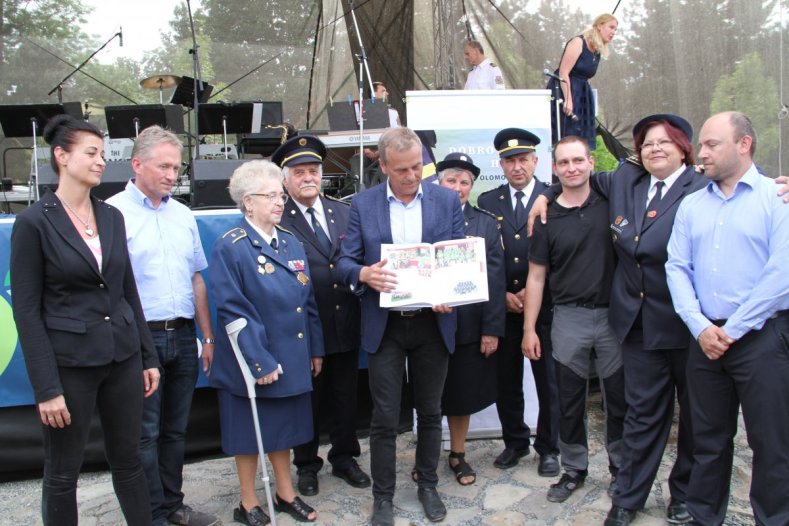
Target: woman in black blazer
(81, 326)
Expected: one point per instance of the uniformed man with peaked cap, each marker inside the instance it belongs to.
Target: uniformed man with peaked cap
(511, 203)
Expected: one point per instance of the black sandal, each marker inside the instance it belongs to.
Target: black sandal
(298, 509)
(462, 469)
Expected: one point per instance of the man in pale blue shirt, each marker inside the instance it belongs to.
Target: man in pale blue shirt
(167, 257)
(728, 255)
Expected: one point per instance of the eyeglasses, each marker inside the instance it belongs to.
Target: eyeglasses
(273, 196)
(661, 144)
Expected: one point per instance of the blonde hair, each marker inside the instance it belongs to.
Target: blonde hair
(592, 35)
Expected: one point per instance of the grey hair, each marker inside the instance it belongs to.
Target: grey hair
(399, 139)
(286, 170)
(152, 137)
(248, 177)
(450, 171)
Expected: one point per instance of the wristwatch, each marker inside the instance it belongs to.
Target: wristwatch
(207, 341)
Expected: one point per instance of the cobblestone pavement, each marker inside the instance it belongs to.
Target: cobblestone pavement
(499, 497)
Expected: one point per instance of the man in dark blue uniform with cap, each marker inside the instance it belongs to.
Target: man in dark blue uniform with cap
(511, 203)
(319, 223)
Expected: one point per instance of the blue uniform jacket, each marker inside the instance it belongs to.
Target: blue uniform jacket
(250, 280)
(369, 226)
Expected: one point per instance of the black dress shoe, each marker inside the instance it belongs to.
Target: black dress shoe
(549, 465)
(307, 483)
(677, 512)
(353, 475)
(509, 458)
(297, 508)
(383, 513)
(254, 517)
(435, 510)
(619, 516)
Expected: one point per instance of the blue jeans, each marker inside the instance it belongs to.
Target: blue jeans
(164, 419)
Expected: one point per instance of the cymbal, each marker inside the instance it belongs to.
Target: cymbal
(160, 82)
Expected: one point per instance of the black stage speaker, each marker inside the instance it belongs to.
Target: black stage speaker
(209, 183)
(114, 179)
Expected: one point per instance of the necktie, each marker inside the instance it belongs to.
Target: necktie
(273, 243)
(520, 210)
(323, 239)
(652, 206)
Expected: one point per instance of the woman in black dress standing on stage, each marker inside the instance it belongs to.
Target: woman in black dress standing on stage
(579, 63)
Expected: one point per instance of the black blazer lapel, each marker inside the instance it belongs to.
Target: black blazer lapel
(105, 222)
(334, 233)
(640, 191)
(58, 217)
(298, 223)
(469, 219)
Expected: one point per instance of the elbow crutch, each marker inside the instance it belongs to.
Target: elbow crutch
(233, 328)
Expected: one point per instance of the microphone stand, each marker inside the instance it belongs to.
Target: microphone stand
(59, 86)
(198, 83)
(364, 67)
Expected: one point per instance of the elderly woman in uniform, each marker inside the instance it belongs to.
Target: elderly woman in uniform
(471, 378)
(259, 272)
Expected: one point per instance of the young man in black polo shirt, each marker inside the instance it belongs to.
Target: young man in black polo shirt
(574, 248)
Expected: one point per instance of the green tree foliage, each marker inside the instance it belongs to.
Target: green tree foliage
(750, 90)
(32, 35)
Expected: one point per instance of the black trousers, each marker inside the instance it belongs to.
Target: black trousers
(510, 402)
(335, 389)
(418, 340)
(754, 372)
(116, 389)
(651, 379)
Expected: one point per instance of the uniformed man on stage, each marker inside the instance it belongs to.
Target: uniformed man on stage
(319, 223)
(484, 74)
(511, 203)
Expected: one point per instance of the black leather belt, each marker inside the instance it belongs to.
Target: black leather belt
(169, 325)
(410, 313)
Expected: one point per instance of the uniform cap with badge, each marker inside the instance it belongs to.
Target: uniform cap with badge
(301, 149)
(515, 141)
(458, 160)
(675, 120)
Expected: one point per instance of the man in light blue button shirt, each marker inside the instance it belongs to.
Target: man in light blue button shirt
(728, 255)
(167, 257)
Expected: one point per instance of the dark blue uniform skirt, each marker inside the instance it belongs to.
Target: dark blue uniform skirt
(284, 423)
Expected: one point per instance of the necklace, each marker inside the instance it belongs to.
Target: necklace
(88, 230)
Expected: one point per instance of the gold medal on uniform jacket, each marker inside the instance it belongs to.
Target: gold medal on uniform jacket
(302, 277)
(269, 268)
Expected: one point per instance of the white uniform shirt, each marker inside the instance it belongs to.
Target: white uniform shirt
(486, 75)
